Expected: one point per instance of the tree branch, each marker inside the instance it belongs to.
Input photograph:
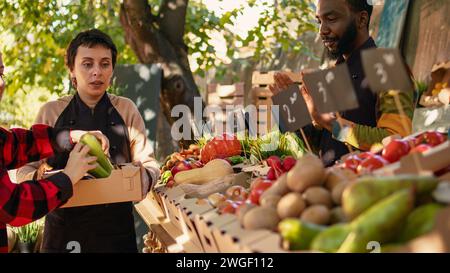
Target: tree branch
(137, 20)
(172, 29)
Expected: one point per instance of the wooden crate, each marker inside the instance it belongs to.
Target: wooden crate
(171, 199)
(157, 194)
(223, 96)
(232, 238)
(261, 98)
(206, 223)
(266, 78)
(189, 209)
(269, 244)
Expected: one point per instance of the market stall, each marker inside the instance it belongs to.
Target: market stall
(233, 192)
(282, 204)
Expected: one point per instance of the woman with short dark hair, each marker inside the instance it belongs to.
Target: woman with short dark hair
(91, 58)
(23, 203)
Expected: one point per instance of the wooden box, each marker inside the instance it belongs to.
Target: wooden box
(189, 209)
(206, 223)
(232, 238)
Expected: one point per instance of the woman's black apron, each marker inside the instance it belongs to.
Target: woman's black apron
(99, 228)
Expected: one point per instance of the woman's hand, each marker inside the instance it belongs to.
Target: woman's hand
(77, 134)
(79, 163)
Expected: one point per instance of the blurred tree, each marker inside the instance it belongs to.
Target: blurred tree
(34, 35)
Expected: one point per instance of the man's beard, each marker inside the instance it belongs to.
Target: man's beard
(345, 43)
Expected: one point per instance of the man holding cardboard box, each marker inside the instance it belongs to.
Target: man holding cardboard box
(344, 29)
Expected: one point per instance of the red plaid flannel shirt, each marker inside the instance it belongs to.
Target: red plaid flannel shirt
(23, 203)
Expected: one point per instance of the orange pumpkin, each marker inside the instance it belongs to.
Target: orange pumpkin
(222, 147)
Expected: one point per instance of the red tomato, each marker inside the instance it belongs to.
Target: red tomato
(395, 150)
(430, 138)
(420, 148)
(352, 163)
(221, 147)
(258, 189)
(231, 207)
(372, 163)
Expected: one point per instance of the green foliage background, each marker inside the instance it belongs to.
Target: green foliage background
(34, 35)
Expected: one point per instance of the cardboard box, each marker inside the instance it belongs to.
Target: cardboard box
(440, 73)
(123, 185)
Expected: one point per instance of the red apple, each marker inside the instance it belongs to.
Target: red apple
(395, 150)
(183, 165)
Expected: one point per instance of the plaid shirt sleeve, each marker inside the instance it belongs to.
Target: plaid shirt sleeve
(26, 202)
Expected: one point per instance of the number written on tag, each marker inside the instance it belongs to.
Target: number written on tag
(385, 70)
(331, 89)
(293, 114)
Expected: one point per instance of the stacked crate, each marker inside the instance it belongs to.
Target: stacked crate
(221, 96)
(261, 97)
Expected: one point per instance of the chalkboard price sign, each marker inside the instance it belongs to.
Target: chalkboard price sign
(293, 113)
(385, 70)
(331, 89)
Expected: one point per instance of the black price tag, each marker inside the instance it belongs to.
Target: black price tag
(292, 111)
(331, 89)
(385, 70)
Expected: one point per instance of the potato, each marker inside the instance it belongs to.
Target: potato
(279, 187)
(261, 218)
(334, 177)
(317, 214)
(291, 205)
(349, 174)
(269, 201)
(307, 172)
(336, 194)
(242, 210)
(318, 196)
